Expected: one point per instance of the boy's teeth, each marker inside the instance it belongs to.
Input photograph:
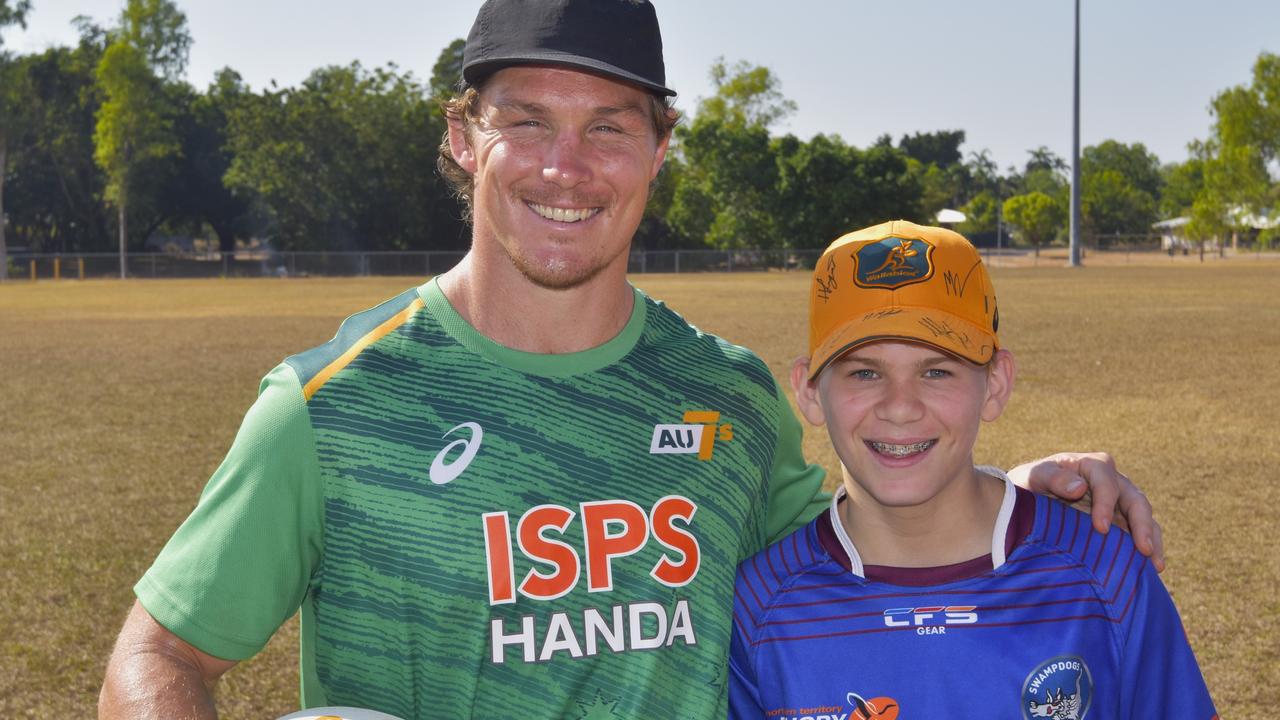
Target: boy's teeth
(569, 215)
(901, 450)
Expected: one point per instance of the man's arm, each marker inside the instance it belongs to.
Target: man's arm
(1070, 475)
(153, 673)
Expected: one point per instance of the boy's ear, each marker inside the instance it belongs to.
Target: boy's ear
(1000, 373)
(806, 392)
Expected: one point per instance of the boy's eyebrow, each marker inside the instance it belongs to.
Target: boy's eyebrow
(938, 359)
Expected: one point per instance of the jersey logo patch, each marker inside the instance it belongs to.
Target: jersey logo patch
(698, 434)
(892, 263)
(1059, 688)
(855, 707)
(444, 470)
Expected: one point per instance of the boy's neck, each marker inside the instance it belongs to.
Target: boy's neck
(953, 526)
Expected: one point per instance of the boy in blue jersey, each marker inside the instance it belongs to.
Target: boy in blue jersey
(934, 588)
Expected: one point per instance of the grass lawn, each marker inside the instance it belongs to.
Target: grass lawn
(118, 399)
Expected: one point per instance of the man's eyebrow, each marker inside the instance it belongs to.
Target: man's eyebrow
(535, 108)
(530, 108)
(626, 108)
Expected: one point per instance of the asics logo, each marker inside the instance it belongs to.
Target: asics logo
(442, 469)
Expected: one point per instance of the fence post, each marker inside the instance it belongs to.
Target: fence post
(57, 268)
(730, 263)
(677, 261)
(33, 271)
(80, 262)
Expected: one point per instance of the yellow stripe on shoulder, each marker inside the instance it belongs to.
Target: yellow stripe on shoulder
(357, 347)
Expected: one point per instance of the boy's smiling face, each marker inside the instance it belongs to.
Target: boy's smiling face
(904, 416)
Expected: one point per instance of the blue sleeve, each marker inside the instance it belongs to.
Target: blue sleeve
(744, 692)
(1160, 676)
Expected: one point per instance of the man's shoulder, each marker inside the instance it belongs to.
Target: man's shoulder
(667, 330)
(313, 367)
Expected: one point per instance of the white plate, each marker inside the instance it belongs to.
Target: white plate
(338, 713)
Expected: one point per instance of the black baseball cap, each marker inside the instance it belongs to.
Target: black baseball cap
(617, 38)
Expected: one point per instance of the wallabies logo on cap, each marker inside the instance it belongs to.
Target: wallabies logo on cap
(892, 263)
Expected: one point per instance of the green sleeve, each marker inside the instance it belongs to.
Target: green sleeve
(795, 488)
(240, 564)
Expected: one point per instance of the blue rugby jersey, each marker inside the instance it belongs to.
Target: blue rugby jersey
(1058, 621)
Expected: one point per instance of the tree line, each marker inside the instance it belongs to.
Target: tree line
(104, 146)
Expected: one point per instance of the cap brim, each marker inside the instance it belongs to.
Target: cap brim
(478, 71)
(941, 330)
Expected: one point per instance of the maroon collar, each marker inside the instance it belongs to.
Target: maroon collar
(1020, 524)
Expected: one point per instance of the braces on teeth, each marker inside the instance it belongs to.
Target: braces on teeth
(901, 450)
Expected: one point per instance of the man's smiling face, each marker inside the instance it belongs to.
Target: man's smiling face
(562, 161)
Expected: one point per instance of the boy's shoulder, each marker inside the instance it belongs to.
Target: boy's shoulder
(1063, 539)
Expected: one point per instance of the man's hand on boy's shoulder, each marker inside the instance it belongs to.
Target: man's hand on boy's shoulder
(1093, 479)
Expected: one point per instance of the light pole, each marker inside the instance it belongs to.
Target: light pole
(1075, 153)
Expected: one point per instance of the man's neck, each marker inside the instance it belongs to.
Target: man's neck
(509, 309)
(954, 526)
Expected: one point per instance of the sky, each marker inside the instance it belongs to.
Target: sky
(1001, 70)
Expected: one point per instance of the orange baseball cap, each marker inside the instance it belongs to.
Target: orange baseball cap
(901, 281)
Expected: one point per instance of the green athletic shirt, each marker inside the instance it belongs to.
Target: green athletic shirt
(471, 529)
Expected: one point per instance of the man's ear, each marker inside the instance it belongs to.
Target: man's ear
(660, 156)
(459, 147)
(1000, 373)
(806, 392)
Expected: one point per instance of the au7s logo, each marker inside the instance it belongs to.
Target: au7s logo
(698, 435)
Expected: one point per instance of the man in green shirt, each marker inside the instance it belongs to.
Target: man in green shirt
(523, 484)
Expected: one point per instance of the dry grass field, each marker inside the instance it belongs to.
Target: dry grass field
(117, 400)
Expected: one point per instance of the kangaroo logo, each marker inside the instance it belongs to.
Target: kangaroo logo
(892, 263)
(897, 258)
(1060, 688)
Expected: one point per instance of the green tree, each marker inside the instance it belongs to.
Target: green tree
(1042, 158)
(13, 100)
(724, 197)
(1243, 152)
(193, 193)
(1138, 167)
(1183, 183)
(941, 148)
(13, 12)
(135, 124)
(158, 29)
(447, 71)
(980, 215)
(1037, 217)
(1120, 186)
(57, 188)
(746, 94)
(827, 188)
(132, 127)
(345, 161)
